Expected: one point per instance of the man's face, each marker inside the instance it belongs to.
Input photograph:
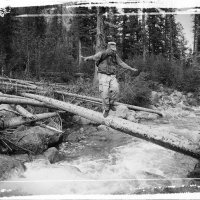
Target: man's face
(113, 47)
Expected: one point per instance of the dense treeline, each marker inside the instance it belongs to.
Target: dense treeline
(52, 39)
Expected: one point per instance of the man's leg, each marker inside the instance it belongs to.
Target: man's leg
(114, 91)
(104, 81)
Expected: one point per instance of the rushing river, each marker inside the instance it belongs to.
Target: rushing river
(104, 162)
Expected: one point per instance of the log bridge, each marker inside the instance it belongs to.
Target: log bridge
(165, 138)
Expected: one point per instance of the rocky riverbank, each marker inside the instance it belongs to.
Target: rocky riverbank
(25, 144)
(37, 143)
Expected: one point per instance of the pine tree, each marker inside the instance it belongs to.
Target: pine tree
(8, 25)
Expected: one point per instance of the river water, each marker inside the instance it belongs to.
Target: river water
(108, 162)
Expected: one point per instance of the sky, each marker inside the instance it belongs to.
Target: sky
(186, 21)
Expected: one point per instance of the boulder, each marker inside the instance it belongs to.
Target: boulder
(179, 94)
(189, 95)
(184, 107)
(192, 102)
(121, 111)
(35, 139)
(73, 137)
(22, 158)
(146, 115)
(131, 116)
(166, 99)
(155, 98)
(52, 154)
(10, 167)
(7, 112)
(81, 120)
(104, 128)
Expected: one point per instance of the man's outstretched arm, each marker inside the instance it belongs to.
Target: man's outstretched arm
(95, 57)
(123, 64)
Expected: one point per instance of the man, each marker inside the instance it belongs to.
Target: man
(107, 61)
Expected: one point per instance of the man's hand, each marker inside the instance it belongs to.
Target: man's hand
(133, 69)
(83, 58)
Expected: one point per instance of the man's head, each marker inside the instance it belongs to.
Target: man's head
(112, 46)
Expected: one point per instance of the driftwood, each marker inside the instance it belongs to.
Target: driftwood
(16, 121)
(164, 138)
(93, 99)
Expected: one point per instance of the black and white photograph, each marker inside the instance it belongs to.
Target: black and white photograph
(100, 99)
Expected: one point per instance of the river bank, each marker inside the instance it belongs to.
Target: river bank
(110, 159)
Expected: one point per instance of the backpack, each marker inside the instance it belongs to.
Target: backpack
(104, 56)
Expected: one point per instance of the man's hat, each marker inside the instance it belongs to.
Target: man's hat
(112, 45)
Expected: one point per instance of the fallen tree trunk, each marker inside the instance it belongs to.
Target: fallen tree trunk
(164, 138)
(19, 85)
(27, 114)
(16, 121)
(24, 101)
(16, 80)
(35, 87)
(24, 112)
(116, 103)
(11, 96)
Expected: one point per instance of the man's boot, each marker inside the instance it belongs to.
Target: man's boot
(112, 107)
(105, 113)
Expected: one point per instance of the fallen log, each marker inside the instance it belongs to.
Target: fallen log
(27, 114)
(34, 87)
(16, 80)
(19, 85)
(11, 96)
(164, 138)
(24, 101)
(16, 121)
(116, 103)
(24, 112)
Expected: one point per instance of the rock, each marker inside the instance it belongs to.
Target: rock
(178, 94)
(189, 95)
(10, 167)
(21, 128)
(146, 115)
(81, 120)
(104, 128)
(90, 129)
(74, 137)
(35, 139)
(121, 111)
(154, 97)
(192, 102)
(195, 173)
(175, 100)
(184, 107)
(166, 98)
(52, 154)
(131, 116)
(22, 158)
(6, 111)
